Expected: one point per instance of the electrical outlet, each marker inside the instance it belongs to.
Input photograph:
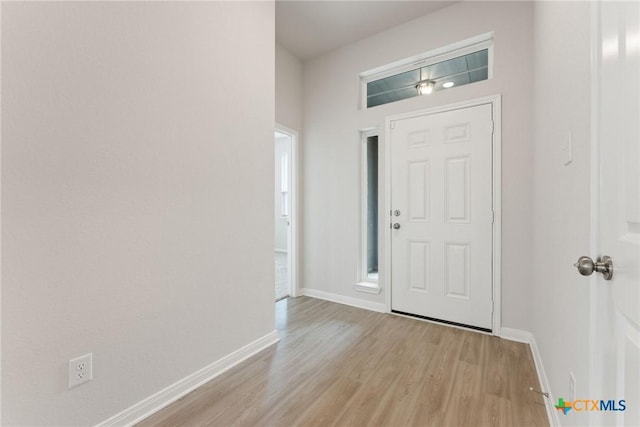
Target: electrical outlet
(572, 387)
(80, 370)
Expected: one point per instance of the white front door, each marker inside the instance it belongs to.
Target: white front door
(441, 202)
(615, 306)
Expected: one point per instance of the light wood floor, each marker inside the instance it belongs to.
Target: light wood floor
(339, 365)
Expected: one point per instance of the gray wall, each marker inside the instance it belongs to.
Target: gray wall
(126, 154)
(288, 89)
(560, 296)
(332, 122)
(288, 106)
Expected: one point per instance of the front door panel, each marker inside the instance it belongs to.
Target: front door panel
(441, 246)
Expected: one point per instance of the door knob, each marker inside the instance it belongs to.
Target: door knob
(396, 226)
(604, 265)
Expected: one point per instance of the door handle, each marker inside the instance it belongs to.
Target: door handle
(396, 226)
(603, 264)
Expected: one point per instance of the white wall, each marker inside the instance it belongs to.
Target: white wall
(560, 297)
(288, 89)
(332, 122)
(288, 106)
(136, 143)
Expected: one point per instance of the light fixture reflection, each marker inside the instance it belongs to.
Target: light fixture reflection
(425, 87)
(447, 85)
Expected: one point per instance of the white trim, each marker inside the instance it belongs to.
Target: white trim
(528, 338)
(281, 251)
(497, 214)
(341, 299)
(293, 235)
(0, 220)
(491, 99)
(363, 217)
(368, 287)
(517, 335)
(165, 397)
(496, 103)
(384, 264)
(472, 44)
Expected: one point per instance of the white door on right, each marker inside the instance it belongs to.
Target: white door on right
(441, 201)
(615, 317)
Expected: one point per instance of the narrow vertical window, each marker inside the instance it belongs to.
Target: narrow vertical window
(369, 214)
(372, 207)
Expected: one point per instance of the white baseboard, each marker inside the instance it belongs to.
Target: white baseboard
(341, 299)
(165, 397)
(516, 335)
(528, 338)
(367, 287)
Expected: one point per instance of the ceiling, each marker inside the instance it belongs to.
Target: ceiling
(310, 28)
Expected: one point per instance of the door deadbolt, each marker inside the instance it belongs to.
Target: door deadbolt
(603, 264)
(396, 212)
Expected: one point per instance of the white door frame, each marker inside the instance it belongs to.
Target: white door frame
(496, 107)
(292, 235)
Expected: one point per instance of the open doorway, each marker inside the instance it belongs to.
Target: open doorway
(285, 212)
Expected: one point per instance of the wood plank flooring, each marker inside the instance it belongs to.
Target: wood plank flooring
(342, 366)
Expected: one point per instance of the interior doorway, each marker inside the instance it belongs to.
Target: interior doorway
(285, 212)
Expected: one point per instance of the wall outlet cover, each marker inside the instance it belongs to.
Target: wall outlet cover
(80, 370)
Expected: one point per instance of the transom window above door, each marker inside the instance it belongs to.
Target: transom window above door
(460, 64)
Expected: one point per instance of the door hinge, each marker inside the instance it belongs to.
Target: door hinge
(493, 126)
(493, 217)
(392, 125)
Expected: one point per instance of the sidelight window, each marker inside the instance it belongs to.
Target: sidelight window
(369, 217)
